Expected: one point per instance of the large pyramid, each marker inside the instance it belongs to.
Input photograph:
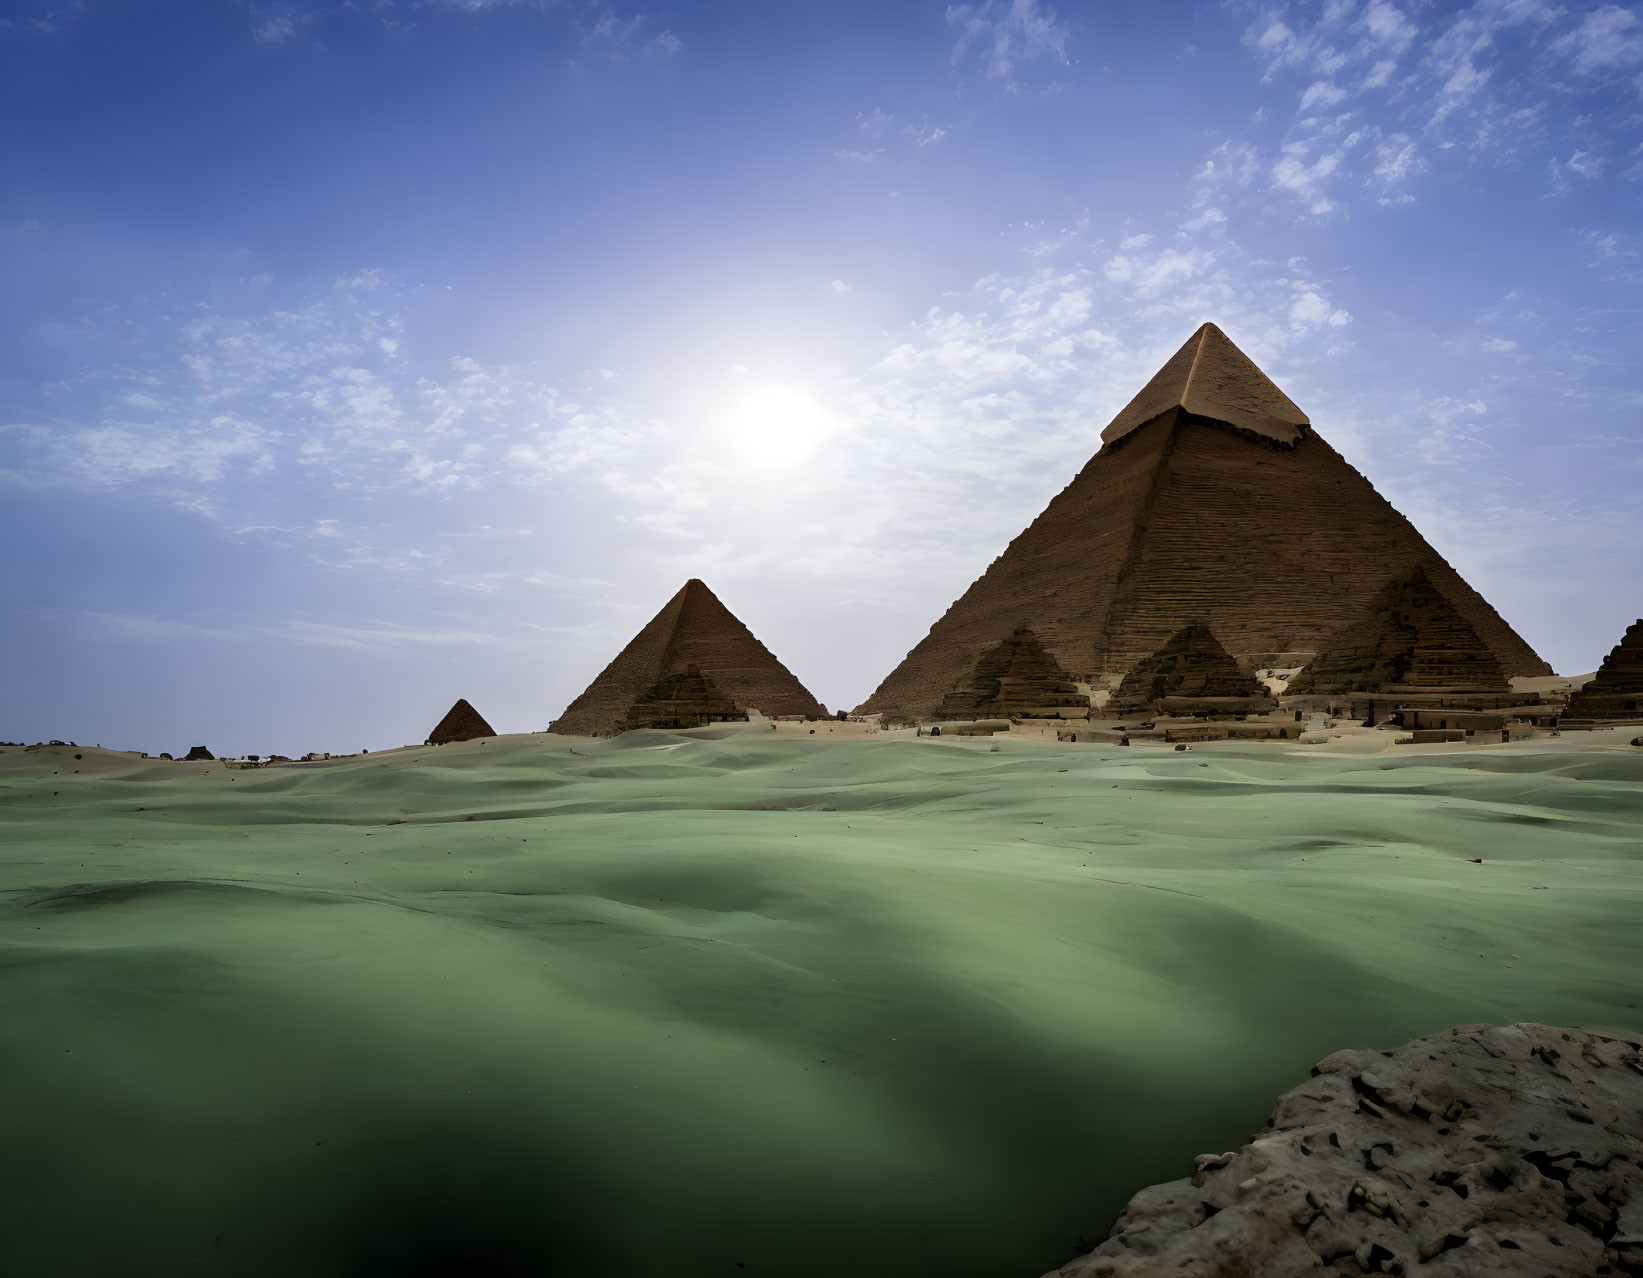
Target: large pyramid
(461, 723)
(1617, 690)
(693, 630)
(1212, 498)
(1413, 639)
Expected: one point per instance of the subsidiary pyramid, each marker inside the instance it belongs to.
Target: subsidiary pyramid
(1212, 498)
(1192, 664)
(461, 723)
(1413, 638)
(1616, 692)
(1014, 677)
(693, 629)
(684, 699)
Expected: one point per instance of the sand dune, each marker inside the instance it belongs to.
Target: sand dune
(683, 1002)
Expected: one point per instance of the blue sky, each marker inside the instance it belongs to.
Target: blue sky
(361, 356)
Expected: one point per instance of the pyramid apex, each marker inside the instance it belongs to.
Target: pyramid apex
(1210, 377)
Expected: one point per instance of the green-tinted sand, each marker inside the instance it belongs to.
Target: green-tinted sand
(715, 1003)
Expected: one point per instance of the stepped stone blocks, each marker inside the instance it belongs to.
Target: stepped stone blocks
(1212, 497)
(1617, 691)
(1192, 664)
(684, 699)
(1016, 677)
(1413, 639)
(692, 629)
(461, 723)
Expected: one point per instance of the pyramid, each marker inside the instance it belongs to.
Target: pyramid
(1212, 497)
(1015, 677)
(693, 629)
(1413, 639)
(684, 699)
(461, 723)
(1192, 664)
(1616, 692)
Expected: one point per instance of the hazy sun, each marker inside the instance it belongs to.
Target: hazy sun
(773, 427)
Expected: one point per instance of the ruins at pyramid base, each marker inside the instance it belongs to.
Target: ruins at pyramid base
(1413, 640)
(1616, 692)
(693, 630)
(1192, 672)
(1016, 678)
(1212, 498)
(461, 723)
(684, 699)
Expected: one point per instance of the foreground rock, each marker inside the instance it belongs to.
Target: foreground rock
(1482, 1151)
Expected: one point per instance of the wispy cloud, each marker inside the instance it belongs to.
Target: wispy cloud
(1000, 37)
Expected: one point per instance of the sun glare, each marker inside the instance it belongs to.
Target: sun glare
(774, 427)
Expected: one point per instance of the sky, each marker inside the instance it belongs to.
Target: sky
(356, 357)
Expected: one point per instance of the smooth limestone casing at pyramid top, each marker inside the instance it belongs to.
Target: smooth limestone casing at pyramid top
(1211, 497)
(692, 629)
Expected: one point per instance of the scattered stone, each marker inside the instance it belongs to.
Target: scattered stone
(1481, 1152)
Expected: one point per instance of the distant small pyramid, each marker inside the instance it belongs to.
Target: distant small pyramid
(1192, 664)
(198, 754)
(461, 723)
(1413, 638)
(692, 629)
(684, 699)
(1212, 499)
(1210, 377)
(1014, 677)
(1616, 692)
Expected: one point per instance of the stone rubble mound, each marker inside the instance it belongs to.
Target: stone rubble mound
(1480, 1152)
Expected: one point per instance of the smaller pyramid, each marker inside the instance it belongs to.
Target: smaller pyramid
(1413, 639)
(197, 754)
(1210, 377)
(684, 699)
(461, 723)
(1015, 677)
(1192, 664)
(1616, 691)
(692, 631)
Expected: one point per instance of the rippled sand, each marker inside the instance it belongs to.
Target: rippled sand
(724, 1002)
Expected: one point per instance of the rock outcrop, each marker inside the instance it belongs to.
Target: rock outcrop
(1015, 677)
(1192, 664)
(1484, 1152)
(461, 723)
(1616, 692)
(197, 754)
(1212, 498)
(1412, 639)
(685, 699)
(692, 629)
